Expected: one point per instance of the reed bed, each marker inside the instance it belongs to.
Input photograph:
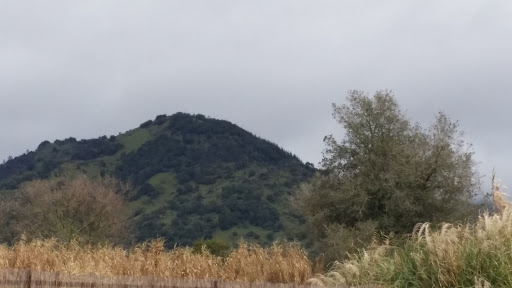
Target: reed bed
(280, 263)
(472, 255)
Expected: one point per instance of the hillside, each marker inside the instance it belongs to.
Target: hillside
(197, 177)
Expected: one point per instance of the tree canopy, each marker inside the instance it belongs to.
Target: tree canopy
(387, 173)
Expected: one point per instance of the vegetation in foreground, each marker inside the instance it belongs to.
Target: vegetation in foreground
(280, 263)
(477, 255)
(385, 175)
(67, 208)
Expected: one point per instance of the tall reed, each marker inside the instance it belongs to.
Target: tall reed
(280, 263)
(477, 255)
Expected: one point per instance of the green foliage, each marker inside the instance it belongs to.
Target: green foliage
(48, 157)
(95, 148)
(145, 190)
(245, 204)
(471, 255)
(214, 246)
(340, 239)
(206, 156)
(192, 145)
(195, 178)
(389, 171)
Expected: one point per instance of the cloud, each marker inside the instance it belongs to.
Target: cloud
(86, 69)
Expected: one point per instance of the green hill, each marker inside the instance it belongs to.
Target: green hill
(197, 177)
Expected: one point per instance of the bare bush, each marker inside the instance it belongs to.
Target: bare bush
(66, 208)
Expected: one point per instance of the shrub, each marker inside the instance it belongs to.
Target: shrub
(471, 255)
(66, 208)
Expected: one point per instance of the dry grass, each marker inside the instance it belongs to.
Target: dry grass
(37, 279)
(281, 263)
(478, 255)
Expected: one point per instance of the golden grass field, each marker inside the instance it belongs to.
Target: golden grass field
(284, 263)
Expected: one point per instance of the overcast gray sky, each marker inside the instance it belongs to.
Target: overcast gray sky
(91, 68)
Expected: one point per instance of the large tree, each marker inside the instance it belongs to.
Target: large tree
(67, 208)
(387, 173)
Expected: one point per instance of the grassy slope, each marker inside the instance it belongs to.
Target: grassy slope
(270, 180)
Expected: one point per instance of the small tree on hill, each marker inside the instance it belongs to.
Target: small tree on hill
(387, 174)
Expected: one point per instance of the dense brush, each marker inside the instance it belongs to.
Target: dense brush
(471, 255)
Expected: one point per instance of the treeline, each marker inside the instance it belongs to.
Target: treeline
(48, 156)
(205, 154)
(200, 214)
(221, 177)
(195, 145)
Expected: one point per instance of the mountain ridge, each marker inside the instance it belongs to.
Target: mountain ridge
(197, 178)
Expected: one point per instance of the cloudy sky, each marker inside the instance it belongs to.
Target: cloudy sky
(92, 68)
